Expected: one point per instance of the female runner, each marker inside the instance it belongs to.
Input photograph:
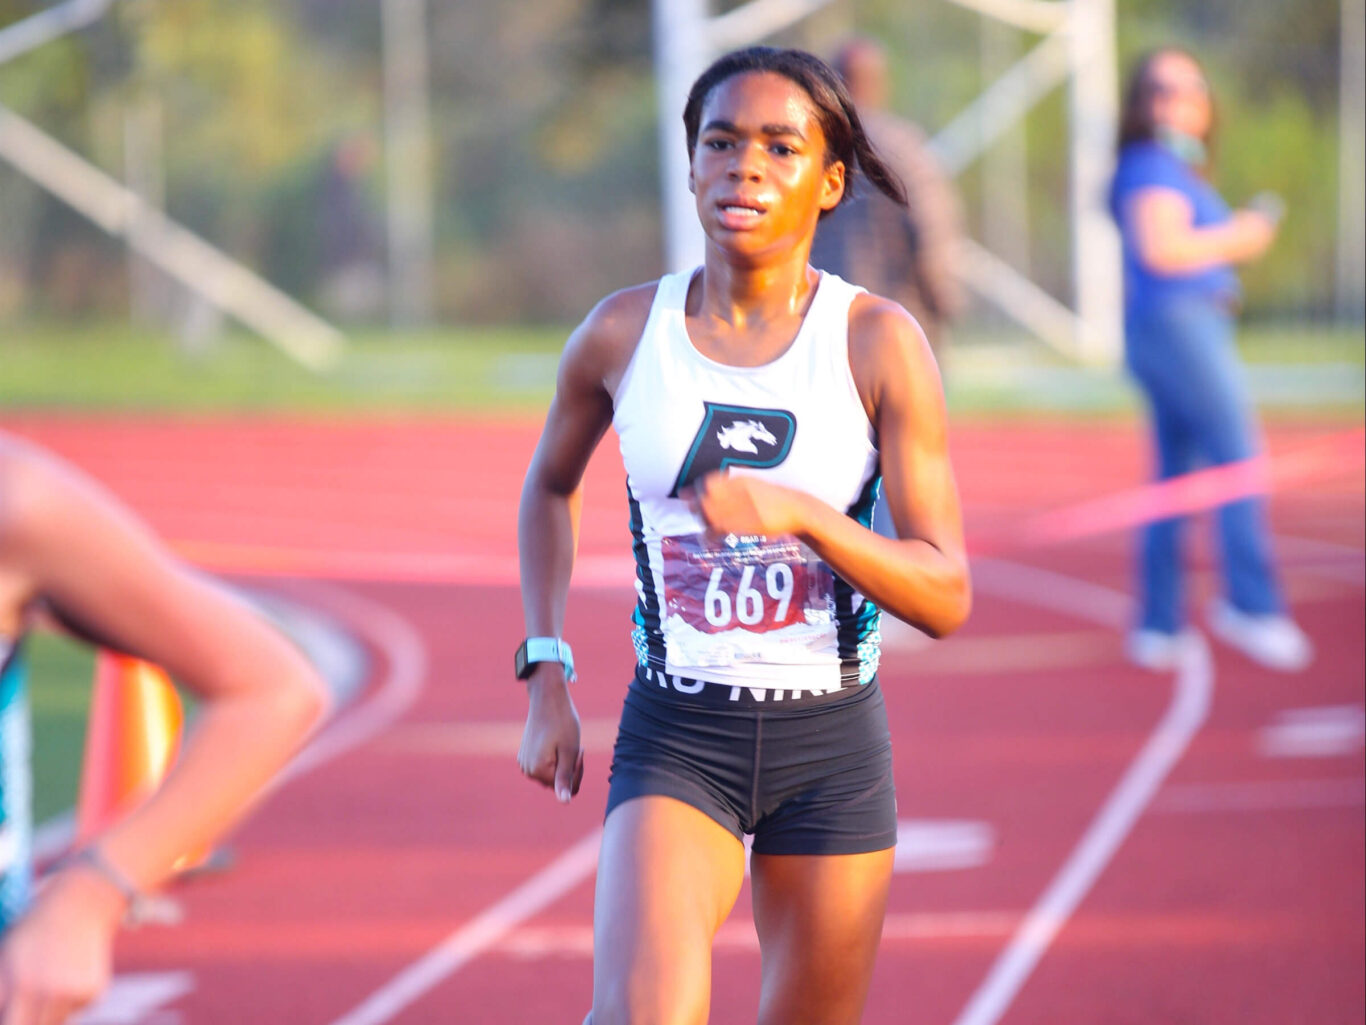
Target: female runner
(758, 402)
(70, 549)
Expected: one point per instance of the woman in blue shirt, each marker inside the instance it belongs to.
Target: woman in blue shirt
(1181, 242)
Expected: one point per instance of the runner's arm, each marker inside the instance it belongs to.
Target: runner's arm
(922, 577)
(548, 526)
(80, 550)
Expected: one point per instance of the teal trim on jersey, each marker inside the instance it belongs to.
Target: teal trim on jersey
(860, 633)
(12, 675)
(647, 638)
(16, 790)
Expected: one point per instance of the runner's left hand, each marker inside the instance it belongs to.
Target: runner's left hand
(741, 504)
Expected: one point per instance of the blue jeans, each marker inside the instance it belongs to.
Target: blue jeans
(1182, 354)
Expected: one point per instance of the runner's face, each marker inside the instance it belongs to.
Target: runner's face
(759, 171)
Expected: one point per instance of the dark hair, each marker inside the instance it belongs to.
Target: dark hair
(1136, 113)
(845, 138)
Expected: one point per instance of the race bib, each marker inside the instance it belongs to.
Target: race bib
(743, 598)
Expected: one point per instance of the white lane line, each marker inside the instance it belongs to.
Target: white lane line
(942, 845)
(1292, 545)
(1046, 589)
(600, 571)
(1192, 689)
(139, 998)
(739, 936)
(402, 648)
(1327, 731)
(1263, 795)
(479, 934)
(488, 738)
(336, 652)
(1343, 563)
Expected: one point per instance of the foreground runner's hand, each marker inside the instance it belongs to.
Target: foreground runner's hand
(59, 956)
(552, 750)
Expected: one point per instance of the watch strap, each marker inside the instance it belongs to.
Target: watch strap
(544, 649)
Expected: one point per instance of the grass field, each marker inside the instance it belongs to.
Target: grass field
(119, 368)
(60, 699)
(103, 368)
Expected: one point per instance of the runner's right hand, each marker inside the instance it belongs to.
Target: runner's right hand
(552, 750)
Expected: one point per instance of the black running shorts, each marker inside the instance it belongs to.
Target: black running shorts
(808, 774)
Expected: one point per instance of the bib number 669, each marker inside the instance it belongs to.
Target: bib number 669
(748, 605)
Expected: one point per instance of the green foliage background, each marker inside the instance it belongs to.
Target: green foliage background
(544, 123)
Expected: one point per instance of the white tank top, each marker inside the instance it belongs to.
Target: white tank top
(762, 612)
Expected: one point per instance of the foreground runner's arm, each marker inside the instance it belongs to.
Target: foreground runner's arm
(922, 577)
(67, 542)
(548, 523)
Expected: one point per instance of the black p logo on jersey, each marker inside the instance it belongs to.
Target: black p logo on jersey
(737, 436)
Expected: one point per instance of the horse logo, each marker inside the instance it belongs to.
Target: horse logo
(730, 435)
(741, 435)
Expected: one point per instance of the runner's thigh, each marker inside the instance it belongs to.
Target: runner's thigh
(667, 877)
(819, 919)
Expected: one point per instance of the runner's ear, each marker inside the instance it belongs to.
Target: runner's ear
(832, 190)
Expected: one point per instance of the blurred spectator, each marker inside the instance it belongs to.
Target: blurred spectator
(1181, 242)
(905, 254)
(350, 239)
(326, 240)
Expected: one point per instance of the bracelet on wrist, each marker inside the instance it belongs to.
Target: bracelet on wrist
(139, 908)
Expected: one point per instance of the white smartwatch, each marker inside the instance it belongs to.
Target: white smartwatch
(544, 649)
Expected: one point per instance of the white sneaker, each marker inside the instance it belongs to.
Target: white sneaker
(1270, 640)
(1156, 650)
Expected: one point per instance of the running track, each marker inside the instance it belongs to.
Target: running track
(1104, 845)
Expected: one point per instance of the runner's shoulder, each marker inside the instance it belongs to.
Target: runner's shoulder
(603, 344)
(883, 337)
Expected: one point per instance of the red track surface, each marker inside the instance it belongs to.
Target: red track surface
(1236, 897)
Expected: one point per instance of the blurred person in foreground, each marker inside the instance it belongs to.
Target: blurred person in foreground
(70, 550)
(906, 253)
(1181, 242)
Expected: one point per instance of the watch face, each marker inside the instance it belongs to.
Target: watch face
(525, 659)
